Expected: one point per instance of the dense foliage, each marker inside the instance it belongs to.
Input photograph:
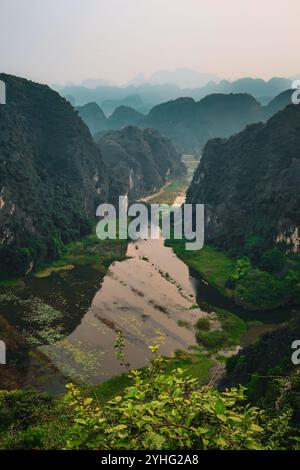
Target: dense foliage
(190, 124)
(249, 184)
(139, 161)
(51, 176)
(160, 410)
(267, 370)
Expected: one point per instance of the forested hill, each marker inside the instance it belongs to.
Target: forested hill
(93, 116)
(98, 123)
(51, 175)
(140, 161)
(191, 124)
(250, 183)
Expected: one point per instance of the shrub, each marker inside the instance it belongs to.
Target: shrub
(203, 324)
(261, 290)
(272, 261)
(165, 411)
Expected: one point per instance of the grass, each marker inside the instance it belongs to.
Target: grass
(212, 264)
(12, 283)
(176, 188)
(112, 387)
(89, 251)
(53, 268)
(195, 364)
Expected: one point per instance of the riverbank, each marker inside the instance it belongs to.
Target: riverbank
(240, 286)
(70, 311)
(47, 306)
(215, 266)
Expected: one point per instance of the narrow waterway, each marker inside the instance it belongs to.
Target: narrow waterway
(146, 297)
(152, 297)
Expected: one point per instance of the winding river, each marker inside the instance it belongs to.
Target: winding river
(146, 297)
(152, 297)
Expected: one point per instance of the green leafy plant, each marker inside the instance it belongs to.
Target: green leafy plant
(165, 411)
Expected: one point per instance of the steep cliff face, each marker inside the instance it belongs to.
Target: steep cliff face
(139, 161)
(189, 124)
(249, 184)
(51, 176)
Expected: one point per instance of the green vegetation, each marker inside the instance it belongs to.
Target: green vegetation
(241, 279)
(169, 193)
(62, 166)
(157, 409)
(266, 369)
(194, 364)
(227, 335)
(184, 324)
(32, 420)
(89, 251)
(215, 266)
(203, 324)
(261, 290)
(272, 260)
(139, 161)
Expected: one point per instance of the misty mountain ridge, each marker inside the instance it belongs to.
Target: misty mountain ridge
(97, 122)
(189, 123)
(151, 94)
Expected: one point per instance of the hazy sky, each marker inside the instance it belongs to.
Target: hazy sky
(57, 41)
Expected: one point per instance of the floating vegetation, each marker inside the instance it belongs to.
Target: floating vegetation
(52, 269)
(74, 362)
(169, 278)
(184, 324)
(40, 313)
(8, 297)
(194, 306)
(42, 322)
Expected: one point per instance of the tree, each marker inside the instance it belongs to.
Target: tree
(272, 261)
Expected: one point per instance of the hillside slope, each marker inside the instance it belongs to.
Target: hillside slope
(249, 184)
(139, 161)
(190, 124)
(51, 176)
(93, 116)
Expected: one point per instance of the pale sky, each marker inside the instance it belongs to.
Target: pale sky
(56, 41)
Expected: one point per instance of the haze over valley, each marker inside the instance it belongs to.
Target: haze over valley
(131, 342)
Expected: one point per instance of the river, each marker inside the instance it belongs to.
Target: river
(152, 297)
(145, 297)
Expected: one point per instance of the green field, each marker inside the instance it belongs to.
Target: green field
(89, 251)
(212, 264)
(176, 188)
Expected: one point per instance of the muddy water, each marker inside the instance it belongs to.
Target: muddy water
(144, 297)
